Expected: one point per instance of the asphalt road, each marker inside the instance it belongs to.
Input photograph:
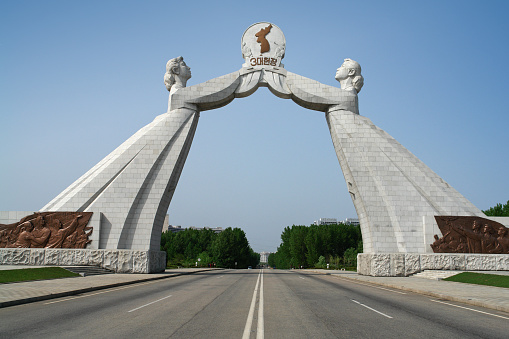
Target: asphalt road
(251, 304)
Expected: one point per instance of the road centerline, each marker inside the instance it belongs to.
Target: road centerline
(249, 321)
(260, 332)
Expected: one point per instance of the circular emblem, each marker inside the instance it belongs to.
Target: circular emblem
(263, 44)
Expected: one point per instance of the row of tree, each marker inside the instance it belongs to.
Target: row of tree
(498, 210)
(228, 249)
(315, 246)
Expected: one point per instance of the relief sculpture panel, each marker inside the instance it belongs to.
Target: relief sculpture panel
(48, 230)
(470, 235)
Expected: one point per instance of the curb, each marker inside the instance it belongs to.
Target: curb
(429, 293)
(90, 289)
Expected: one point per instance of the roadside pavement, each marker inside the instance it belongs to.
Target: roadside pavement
(496, 298)
(30, 291)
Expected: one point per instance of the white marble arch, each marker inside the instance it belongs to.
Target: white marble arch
(394, 193)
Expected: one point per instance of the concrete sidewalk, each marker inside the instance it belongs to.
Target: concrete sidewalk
(30, 291)
(496, 298)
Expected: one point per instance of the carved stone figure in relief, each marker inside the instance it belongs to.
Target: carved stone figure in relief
(502, 241)
(41, 233)
(25, 236)
(349, 76)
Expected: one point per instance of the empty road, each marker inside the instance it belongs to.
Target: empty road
(251, 304)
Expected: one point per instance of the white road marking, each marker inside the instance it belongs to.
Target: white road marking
(372, 309)
(260, 331)
(92, 294)
(249, 321)
(470, 309)
(153, 302)
(369, 285)
(220, 277)
(302, 278)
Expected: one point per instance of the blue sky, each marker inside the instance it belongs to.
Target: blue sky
(79, 78)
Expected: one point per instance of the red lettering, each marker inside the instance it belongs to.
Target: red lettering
(253, 61)
(273, 61)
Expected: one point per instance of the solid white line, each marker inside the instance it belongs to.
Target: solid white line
(249, 321)
(369, 285)
(372, 309)
(107, 291)
(471, 309)
(153, 302)
(260, 332)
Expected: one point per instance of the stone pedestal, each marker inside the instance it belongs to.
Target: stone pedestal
(119, 261)
(405, 264)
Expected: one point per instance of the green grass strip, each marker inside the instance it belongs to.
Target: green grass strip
(27, 274)
(481, 279)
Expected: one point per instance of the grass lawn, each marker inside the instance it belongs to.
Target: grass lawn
(481, 279)
(27, 274)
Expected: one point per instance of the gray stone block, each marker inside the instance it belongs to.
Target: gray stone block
(427, 262)
(442, 261)
(412, 264)
(502, 262)
(473, 262)
(21, 256)
(125, 261)
(110, 260)
(37, 256)
(5, 257)
(52, 257)
(397, 265)
(458, 262)
(488, 262)
(381, 265)
(67, 257)
(95, 257)
(81, 257)
(140, 262)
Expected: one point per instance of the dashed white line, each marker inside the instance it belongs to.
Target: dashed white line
(470, 309)
(372, 309)
(153, 302)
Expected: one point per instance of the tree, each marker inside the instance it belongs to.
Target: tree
(498, 210)
(303, 245)
(231, 250)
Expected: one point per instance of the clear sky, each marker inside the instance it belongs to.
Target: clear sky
(80, 77)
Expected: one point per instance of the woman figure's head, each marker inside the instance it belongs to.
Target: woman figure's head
(177, 72)
(349, 75)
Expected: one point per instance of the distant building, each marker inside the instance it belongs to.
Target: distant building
(215, 229)
(351, 221)
(175, 229)
(326, 221)
(264, 257)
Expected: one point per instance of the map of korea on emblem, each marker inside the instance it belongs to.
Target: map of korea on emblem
(263, 44)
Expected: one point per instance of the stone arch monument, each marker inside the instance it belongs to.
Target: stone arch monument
(396, 196)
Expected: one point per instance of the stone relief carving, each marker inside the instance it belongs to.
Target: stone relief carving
(48, 230)
(465, 234)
